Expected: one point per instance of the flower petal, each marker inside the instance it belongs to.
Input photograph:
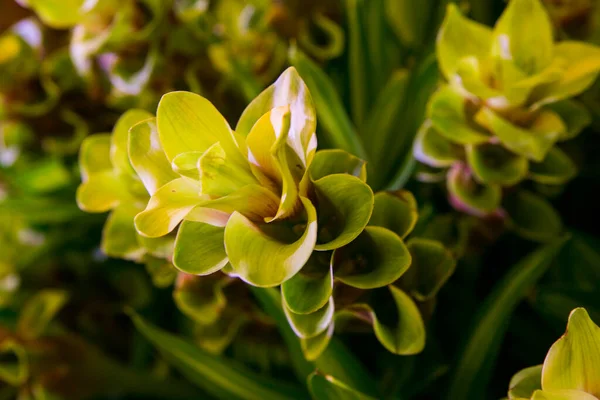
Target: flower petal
(147, 156)
(120, 137)
(262, 260)
(377, 257)
(311, 288)
(396, 211)
(199, 248)
(310, 325)
(168, 207)
(573, 362)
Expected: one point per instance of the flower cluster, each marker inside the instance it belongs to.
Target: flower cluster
(259, 203)
(506, 107)
(571, 370)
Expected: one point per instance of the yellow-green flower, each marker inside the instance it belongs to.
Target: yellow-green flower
(248, 198)
(571, 370)
(111, 184)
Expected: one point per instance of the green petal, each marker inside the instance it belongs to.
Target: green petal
(58, 14)
(432, 265)
(581, 66)
(399, 329)
(377, 257)
(492, 164)
(13, 372)
(38, 312)
(120, 138)
(523, 35)
(119, 237)
(94, 155)
(575, 116)
(474, 76)
(313, 347)
(330, 162)
(186, 164)
(446, 110)
(451, 44)
(201, 298)
(147, 156)
(199, 248)
(288, 90)
(220, 174)
(396, 211)
(254, 202)
(556, 168)
(311, 288)
(326, 387)
(573, 362)
(468, 195)
(310, 325)
(525, 382)
(189, 122)
(262, 260)
(435, 150)
(562, 395)
(533, 142)
(101, 192)
(345, 204)
(167, 207)
(532, 216)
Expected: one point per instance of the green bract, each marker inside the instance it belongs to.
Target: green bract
(505, 108)
(571, 369)
(110, 183)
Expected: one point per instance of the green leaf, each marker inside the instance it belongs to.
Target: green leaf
(147, 156)
(168, 207)
(523, 35)
(345, 204)
(58, 14)
(409, 21)
(468, 195)
(399, 329)
(13, 372)
(573, 362)
(446, 110)
(310, 325)
(311, 288)
(288, 90)
(556, 168)
(262, 260)
(435, 150)
(492, 164)
(533, 142)
(574, 115)
(482, 342)
(357, 60)
(532, 217)
(432, 265)
(525, 382)
(336, 122)
(39, 311)
(189, 122)
(219, 377)
(330, 162)
(581, 63)
(119, 237)
(200, 248)
(327, 387)
(396, 211)
(451, 44)
(377, 257)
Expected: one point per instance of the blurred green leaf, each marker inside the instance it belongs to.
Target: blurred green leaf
(220, 377)
(476, 359)
(39, 311)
